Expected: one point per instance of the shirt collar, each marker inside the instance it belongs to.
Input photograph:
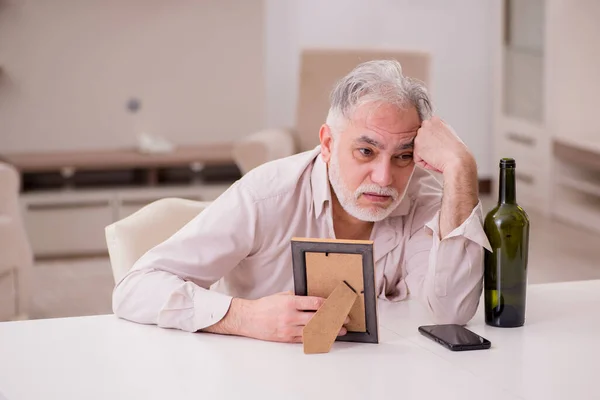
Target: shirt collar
(404, 206)
(322, 191)
(320, 184)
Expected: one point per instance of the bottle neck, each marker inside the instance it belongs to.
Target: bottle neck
(507, 193)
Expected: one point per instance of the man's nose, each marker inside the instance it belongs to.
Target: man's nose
(382, 174)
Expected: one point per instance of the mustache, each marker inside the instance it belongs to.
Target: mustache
(376, 189)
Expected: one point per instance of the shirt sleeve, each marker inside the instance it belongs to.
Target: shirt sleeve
(169, 285)
(446, 274)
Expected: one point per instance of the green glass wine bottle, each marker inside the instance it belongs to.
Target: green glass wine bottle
(505, 275)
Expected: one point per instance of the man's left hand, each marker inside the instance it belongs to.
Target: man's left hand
(438, 147)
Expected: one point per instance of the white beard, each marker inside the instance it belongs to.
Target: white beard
(349, 200)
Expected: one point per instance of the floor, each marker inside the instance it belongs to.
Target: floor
(66, 288)
(558, 252)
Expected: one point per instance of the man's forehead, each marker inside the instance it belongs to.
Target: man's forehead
(397, 132)
(402, 143)
(388, 119)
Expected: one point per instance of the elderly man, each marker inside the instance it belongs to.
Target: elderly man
(229, 270)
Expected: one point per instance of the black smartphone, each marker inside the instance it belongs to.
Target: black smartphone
(455, 337)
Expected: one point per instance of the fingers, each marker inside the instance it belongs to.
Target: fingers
(437, 120)
(297, 339)
(433, 121)
(302, 318)
(433, 124)
(308, 303)
(292, 331)
(419, 161)
(417, 158)
(424, 165)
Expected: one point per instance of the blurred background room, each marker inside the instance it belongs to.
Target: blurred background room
(108, 106)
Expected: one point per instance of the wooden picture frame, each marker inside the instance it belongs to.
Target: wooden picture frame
(319, 265)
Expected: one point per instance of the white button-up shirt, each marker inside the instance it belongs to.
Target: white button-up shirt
(240, 247)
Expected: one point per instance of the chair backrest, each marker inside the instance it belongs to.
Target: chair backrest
(321, 68)
(131, 237)
(262, 146)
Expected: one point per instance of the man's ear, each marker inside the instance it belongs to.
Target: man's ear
(326, 142)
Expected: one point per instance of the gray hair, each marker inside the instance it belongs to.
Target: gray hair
(376, 81)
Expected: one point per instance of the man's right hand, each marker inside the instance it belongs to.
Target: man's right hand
(278, 318)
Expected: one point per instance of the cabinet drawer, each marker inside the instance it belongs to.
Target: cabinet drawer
(525, 149)
(530, 192)
(71, 228)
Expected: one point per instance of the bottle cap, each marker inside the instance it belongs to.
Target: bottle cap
(508, 163)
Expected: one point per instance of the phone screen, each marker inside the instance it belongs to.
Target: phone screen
(455, 336)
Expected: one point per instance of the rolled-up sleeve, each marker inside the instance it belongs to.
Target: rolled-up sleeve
(446, 274)
(169, 285)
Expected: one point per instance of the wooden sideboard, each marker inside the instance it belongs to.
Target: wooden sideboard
(68, 198)
(215, 153)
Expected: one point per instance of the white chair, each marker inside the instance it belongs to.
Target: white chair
(131, 237)
(16, 256)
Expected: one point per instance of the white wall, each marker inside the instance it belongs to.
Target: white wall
(70, 66)
(457, 33)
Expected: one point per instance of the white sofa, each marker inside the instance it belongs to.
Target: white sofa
(16, 257)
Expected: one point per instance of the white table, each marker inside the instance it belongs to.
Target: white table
(552, 357)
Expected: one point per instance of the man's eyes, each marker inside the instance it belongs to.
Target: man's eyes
(406, 156)
(402, 157)
(366, 152)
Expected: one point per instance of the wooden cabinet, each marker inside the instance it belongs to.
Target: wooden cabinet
(71, 223)
(68, 198)
(59, 227)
